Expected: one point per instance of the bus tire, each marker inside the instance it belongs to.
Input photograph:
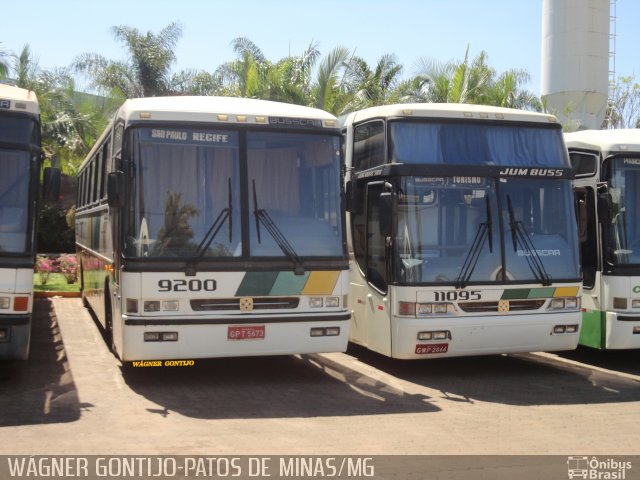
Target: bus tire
(85, 302)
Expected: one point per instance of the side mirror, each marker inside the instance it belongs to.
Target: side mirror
(115, 189)
(386, 214)
(604, 208)
(354, 198)
(348, 197)
(581, 212)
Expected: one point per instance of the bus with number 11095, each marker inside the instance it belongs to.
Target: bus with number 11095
(462, 231)
(213, 227)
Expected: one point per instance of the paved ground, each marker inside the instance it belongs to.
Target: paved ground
(72, 397)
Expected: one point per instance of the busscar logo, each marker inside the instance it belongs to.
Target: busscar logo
(597, 469)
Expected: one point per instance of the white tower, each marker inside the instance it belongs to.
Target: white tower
(575, 61)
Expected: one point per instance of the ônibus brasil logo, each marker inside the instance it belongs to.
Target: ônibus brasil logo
(597, 469)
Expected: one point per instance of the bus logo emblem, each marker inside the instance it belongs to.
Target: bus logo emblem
(246, 304)
(503, 306)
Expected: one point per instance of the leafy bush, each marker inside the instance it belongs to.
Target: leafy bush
(45, 266)
(68, 266)
(54, 234)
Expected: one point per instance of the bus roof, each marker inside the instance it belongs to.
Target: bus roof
(214, 109)
(461, 111)
(18, 99)
(605, 141)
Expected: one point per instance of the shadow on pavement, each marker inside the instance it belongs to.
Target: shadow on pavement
(518, 379)
(627, 361)
(270, 387)
(41, 389)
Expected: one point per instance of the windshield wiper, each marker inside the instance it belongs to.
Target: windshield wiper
(262, 216)
(484, 232)
(521, 239)
(223, 216)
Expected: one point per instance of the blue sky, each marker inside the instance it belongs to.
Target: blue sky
(509, 31)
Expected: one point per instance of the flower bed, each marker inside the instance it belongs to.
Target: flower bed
(56, 273)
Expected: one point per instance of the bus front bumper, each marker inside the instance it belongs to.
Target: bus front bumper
(483, 335)
(15, 334)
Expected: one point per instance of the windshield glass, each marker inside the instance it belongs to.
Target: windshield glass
(14, 201)
(181, 182)
(477, 144)
(186, 184)
(624, 229)
(451, 225)
(18, 129)
(295, 179)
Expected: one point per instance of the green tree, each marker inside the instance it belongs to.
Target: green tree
(469, 81)
(4, 63)
(327, 91)
(247, 75)
(453, 81)
(372, 86)
(294, 79)
(70, 125)
(147, 70)
(623, 110)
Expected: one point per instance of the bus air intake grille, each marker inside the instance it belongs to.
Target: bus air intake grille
(233, 304)
(492, 307)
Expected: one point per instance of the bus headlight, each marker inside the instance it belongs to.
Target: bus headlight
(569, 303)
(411, 309)
(315, 302)
(332, 302)
(170, 305)
(436, 335)
(635, 303)
(151, 306)
(424, 309)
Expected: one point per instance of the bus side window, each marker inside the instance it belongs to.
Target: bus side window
(586, 208)
(368, 146)
(376, 244)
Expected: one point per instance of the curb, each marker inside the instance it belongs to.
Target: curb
(56, 294)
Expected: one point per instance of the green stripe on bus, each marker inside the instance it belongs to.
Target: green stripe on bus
(515, 294)
(525, 293)
(256, 283)
(592, 330)
(541, 292)
(288, 283)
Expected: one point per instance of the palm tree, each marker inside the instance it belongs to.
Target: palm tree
(508, 91)
(293, 79)
(469, 81)
(454, 81)
(327, 92)
(289, 80)
(4, 63)
(246, 76)
(370, 87)
(145, 73)
(69, 126)
(25, 69)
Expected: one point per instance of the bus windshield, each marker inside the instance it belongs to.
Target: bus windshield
(624, 229)
(478, 229)
(477, 144)
(15, 235)
(191, 197)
